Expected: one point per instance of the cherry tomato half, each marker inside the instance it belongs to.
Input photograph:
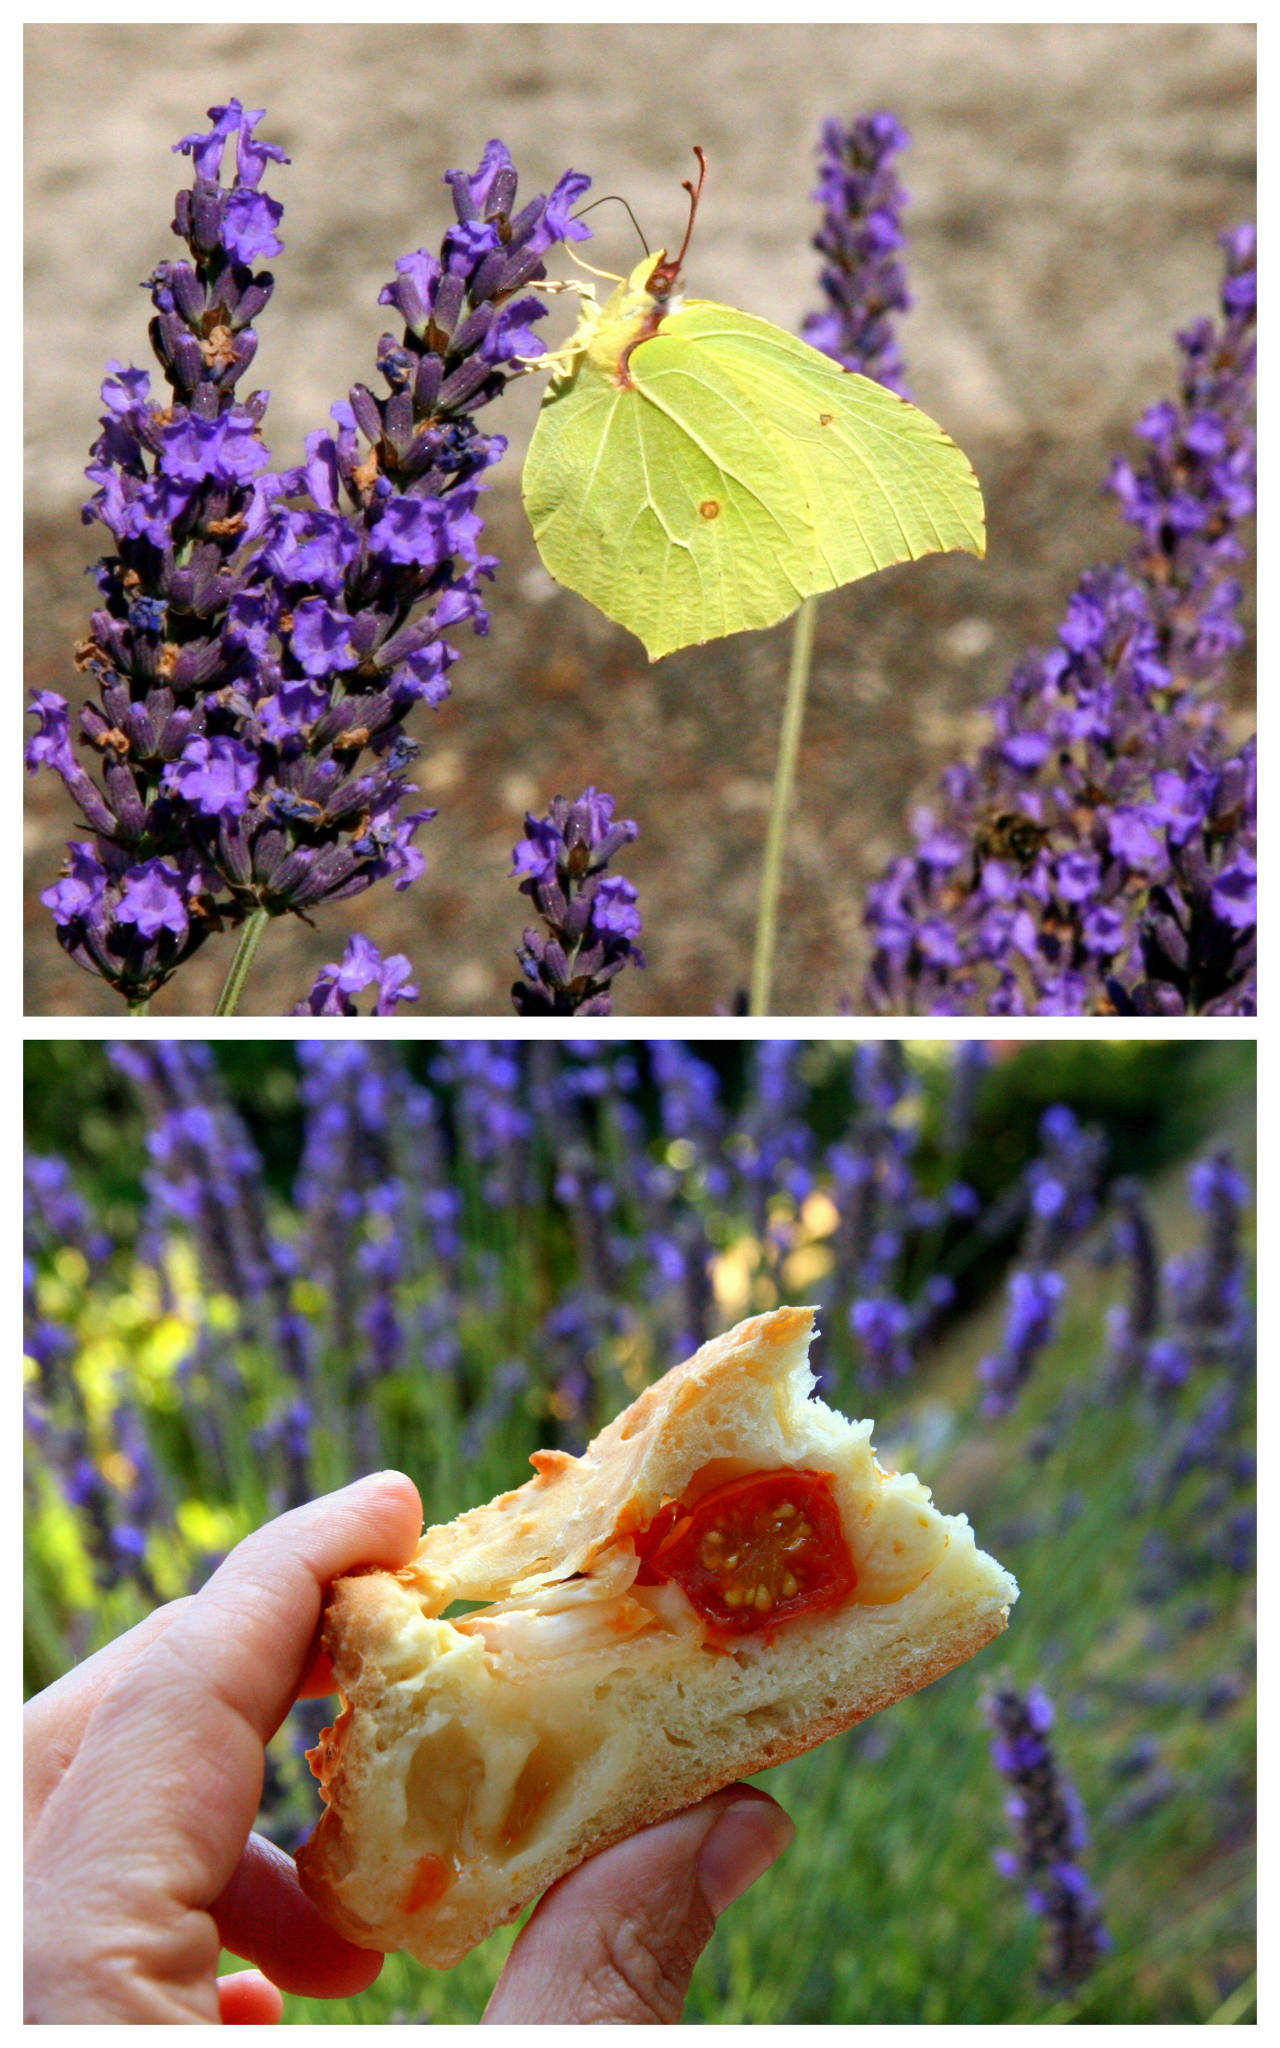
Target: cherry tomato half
(754, 1552)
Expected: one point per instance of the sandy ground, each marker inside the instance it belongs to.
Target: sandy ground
(1067, 183)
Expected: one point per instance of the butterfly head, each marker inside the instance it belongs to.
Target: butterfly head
(653, 287)
(660, 279)
(638, 308)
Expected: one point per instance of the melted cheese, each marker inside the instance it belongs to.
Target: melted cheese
(530, 1655)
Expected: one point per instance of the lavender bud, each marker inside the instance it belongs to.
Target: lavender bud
(592, 920)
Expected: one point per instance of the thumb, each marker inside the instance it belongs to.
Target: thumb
(614, 1943)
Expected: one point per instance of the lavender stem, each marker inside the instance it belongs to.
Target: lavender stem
(233, 987)
(784, 776)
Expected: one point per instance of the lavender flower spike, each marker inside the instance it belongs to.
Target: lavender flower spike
(1062, 1199)
(357, 588)
(331, 993)
(591, 918)
(265, 637)
(1049, 1828)
(1099, 857)
(180, 485)
(862, 279)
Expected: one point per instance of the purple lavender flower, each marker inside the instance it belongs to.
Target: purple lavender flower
(576, 1337)
(1050, 1834)
(348, 1089)
(1185, 1339)
(653, 1241)
(1062, 1183)
(1034, 1300)
(113, 1514)
(493, 1125)
(772, 1145)
(56, 1213)
(1206, 1324)
(689, 1100)
(970, 1061)
(591, 918)
(1211, 1289)
(379, 1223)
(887, 1285)
(206, 1177)
(264, 637)
(331, 994)
(1060, 1190)
(882, 1326)
(115, 1542)
(862, 279)
(182, 489)
(1099, 856)
(507, 1384)
(559, 1092)
(286, 1441)
(1207, 1343)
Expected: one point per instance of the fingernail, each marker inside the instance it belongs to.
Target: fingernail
(747, 1838)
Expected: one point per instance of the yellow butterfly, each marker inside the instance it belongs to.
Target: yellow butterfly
(696, 471)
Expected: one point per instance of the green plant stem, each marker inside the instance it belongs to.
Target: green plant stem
(1233, 2009)
(784, 776)
(233, 987)
(139, 1009)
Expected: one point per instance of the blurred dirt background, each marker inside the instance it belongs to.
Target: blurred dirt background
(1066, 186)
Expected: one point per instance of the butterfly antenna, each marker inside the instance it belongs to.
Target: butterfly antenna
(617, 199)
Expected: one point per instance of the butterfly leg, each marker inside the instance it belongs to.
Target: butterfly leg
(562, 360)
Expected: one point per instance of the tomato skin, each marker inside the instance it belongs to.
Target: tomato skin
(754, 1553)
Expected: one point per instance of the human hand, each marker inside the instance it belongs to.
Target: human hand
(143, 1772)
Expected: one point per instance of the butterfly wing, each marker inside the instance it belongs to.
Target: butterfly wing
(882, 482)
(653, 509)
(738, 473)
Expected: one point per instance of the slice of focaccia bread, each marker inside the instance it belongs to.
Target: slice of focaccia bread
(723, 1578)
